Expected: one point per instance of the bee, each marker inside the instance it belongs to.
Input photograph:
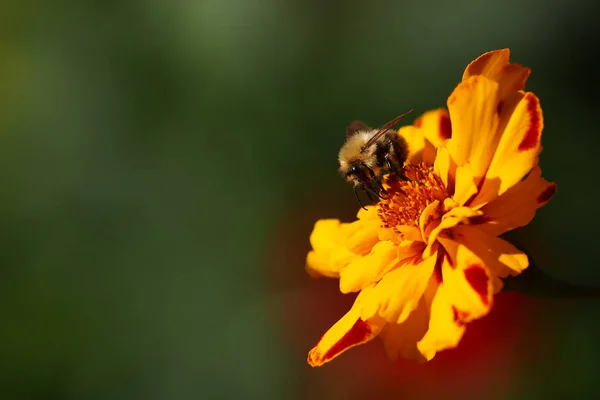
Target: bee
(370, 152)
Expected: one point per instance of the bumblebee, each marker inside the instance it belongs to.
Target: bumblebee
(368, 153)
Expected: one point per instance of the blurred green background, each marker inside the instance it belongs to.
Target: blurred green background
(162, 165)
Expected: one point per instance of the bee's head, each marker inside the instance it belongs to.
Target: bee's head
(358, 174)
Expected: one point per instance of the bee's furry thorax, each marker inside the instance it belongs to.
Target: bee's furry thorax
(353, 150)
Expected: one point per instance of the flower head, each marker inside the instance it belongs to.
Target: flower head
(426, 259)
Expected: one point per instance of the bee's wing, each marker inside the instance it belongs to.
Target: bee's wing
(386, 128)
(356, 126)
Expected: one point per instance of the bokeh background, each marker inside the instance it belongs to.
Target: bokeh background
(162, 165)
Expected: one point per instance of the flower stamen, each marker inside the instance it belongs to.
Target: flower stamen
(405, 200)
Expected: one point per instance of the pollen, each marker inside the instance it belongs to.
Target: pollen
(403, 201)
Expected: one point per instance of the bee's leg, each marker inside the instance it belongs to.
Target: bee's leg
(382, 191)
(371, 191)
(370, 195)
(396, 171)
(358, 199)
(377, 186)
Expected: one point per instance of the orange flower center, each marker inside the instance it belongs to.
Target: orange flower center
(404, 200)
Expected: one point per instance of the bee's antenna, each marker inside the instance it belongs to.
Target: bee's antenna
(395, 171)
(358, 198)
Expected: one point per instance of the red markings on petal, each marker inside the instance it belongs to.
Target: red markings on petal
(437, 268)
(359, 333)
(479, 219)
(437, 273)
(445, 127)
(447, 258)
(547, 194)
(500, 107)
(442, 257)
(418, 122)
(459, 316)
(478, 279)
(455, 312)
(532, 136)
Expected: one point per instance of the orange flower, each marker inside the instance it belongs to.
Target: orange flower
(426, 260)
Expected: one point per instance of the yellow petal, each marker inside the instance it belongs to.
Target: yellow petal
(348, 332)
(409, 248)
(445, 328)
(435, 126)
(467, 280)
(428, 132)
(465, 184)
(517, 151)
(363, 235)
(517, 206)
(329, 254)
(389, 234)
(400, 340)
(426, 215)
(365, 270)
(488, 64)
(445, 168)
(502, 258)
(512, 78)
(454, 217)
(410, 233)
(473, 110)
(494, 65)
(399, 291)
(369, 214)
(415, 141)
(429, 153)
